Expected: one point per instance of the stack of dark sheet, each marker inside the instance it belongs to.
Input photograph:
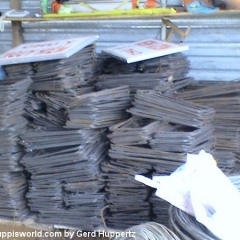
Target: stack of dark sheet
(160, 210)
(150, 104)
(67, 182)
(163, 162)
(99, 109)
(127, 198)
(176, 138)
(131, 154)
(66, 75)
(162, 73)
(13, 184)
(225, 99)
(49, 108)
(14, 71)
(156, 141)
(37, 140)
(66, 186)
(187, 128)
(135, 142)
(64, 150)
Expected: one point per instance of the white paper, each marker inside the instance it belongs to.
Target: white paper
(145, 49)
(42, 51)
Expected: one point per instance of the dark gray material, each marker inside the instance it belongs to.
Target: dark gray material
(187, 227)
(150, 104)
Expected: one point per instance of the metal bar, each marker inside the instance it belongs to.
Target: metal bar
(163, 31)
(17, 30)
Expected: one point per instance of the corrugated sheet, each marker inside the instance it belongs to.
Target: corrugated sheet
(214, 43)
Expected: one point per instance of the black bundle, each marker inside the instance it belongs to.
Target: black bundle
(177, 63)
(150, 104)
(164, 162)
(142, 145)
(59, 100)
(99, 109)
(130, 155)
(134, 131)
(163, 73)
(82, 159)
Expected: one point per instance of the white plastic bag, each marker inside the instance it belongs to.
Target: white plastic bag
(201, 189)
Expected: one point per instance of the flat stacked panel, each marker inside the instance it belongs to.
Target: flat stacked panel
(135, 143)
(162, 73)
(127, 198)
(66, 186)
(224, 98)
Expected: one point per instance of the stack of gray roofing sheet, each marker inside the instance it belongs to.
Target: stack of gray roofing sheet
(225, 99)
(99, 109)
(140, 145)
